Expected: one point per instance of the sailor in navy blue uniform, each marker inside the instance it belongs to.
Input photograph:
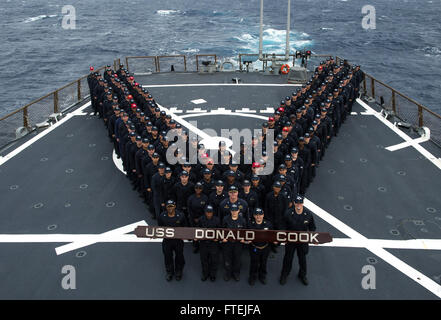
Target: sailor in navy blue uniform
(173, 218)
(209, 249)
(150, 168)
(207, 182)
(232, 250)
(259, 189)
(275, 205)
(182, 190)
(167, 184)
(225, 205)
(259, 251)
(156, 188)
(250, 196)
(195, 206)
(297, 218)
(217, 196)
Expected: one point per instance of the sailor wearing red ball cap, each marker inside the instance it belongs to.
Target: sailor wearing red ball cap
(281, 118)
(255, 168)
(271, 123)
(287, 140)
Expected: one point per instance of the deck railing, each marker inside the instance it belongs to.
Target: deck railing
(39, 110)
(154, 63)
(151, 64)
(401, 106)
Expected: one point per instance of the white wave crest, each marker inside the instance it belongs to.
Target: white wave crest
(301, 43)
(40, 17)
(167, 12)
(191, 50)
(245, 37)
(431, 51)
(274, 40)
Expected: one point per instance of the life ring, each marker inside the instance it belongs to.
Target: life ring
(284, 69)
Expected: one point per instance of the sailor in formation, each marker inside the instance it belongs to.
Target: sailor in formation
(173, 249)
(297, 218)
(259, 251)
(232, 250)
(209, 249)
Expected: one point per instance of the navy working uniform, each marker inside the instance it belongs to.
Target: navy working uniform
(209, 249)
(157, 187)
(259, 251)
(195, 205)
(182, 192)
(297, 221)
(169, 246)
(225, 206)
(232, 250)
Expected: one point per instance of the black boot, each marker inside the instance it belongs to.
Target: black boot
(303, 279)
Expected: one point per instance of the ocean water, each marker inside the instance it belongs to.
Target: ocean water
(38, 55)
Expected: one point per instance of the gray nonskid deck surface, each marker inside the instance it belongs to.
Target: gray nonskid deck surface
(135, 270)
(218, 77)
(426, 261)
(382, 188)
(67, 178)
(252, 97)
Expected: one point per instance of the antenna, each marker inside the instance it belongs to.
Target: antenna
(288, 20)
(261, 32)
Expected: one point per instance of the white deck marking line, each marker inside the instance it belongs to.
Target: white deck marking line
(267, 110)
(95, 239)
(222, 84)
(229, 113)
(42, 134)
(118, 162)
(196, 110)
(419, 148)
(414, 244)
(406, 144)
(353, 113)
(74, 238)
(198, 101)
(218, 111)
(176, 110)
(246, 110)
(185, 123)
(376, 249)
(207, 139)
